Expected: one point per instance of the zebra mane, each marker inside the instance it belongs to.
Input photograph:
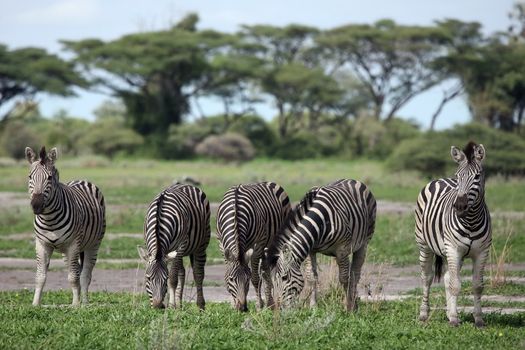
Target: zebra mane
(158, 251)
(239, 255)
(469, 150)
(43, 155)
(291, 219)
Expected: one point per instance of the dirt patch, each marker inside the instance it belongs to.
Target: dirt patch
(378, 282)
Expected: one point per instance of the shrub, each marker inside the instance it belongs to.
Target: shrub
(229, 147)
(298, 146)
(17, 136)
(257, 131)
(430, 153)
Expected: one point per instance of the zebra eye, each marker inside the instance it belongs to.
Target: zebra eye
(285, 278)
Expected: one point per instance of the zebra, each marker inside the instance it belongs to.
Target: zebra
(177, 224)
(69, 218)
(248, 218)
(452, 223)
(336, 220)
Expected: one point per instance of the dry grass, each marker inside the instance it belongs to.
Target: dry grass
(499, 259)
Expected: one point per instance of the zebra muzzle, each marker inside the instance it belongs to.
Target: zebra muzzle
(242, 306)
(157, 304)
(37, 203)
(461, 205)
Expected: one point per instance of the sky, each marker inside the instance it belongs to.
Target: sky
(42, 23)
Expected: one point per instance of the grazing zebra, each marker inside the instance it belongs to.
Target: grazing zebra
(68, 217)
(336, 220)
(248, 218)
(177, 224)
(453, 222)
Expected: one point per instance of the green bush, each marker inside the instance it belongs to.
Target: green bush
(17, 136)
(228, 147)
(430, 153)
(257, 131)
(302, 145)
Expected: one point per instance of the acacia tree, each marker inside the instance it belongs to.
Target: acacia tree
(465, 39)
(154, 73)
(28, 71)
(393, 62)
(288, 73)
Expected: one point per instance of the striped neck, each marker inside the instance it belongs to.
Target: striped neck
(56, 202)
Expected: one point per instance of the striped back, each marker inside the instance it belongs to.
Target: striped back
(177, 220)
(248, 215)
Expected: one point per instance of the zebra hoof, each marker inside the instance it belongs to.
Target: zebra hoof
(479, 323)
(454, 323)
(423, 318)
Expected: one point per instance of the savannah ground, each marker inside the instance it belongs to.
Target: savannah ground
(119, 315)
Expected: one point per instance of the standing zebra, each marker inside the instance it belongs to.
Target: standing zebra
(249, 217)
(68, 217)
(337, 220)
(453, 222)
(177, 224)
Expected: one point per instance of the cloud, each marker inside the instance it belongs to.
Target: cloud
(62, 11)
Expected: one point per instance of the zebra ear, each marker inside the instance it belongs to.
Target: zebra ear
(52, 155)
(479, 153)
(30, 155)
(457, 154)
(143, 253)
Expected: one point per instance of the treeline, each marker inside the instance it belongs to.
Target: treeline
(399, 142)
(336, 92)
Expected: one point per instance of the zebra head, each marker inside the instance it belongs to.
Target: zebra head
(155, 277)
(287, 278)
(470, 177)
(43, 178)
(237, 278)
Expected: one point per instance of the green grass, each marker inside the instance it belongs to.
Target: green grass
(508, 289)
(138, 181)
(124, 321)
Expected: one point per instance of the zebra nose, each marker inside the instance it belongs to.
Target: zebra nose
(37, 203)
(461, 204)
(157, 304)
(242, 306)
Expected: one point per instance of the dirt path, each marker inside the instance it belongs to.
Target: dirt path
(378, 282)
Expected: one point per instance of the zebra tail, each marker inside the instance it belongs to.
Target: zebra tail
(438, 268)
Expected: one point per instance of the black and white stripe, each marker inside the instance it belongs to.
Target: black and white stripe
(248, 219)
(336, 220)
(177, 224)
(68, 217)
(453, 222)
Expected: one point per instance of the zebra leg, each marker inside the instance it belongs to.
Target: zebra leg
(453, 287)
(358, 259)
(87, 264)
(198, 260)
(268, 284)
(172, 283)
(71, 258)
(311, 277)
(43, 255)
(344, 266)
(255, 263)
(478, 268)
(427, 275)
